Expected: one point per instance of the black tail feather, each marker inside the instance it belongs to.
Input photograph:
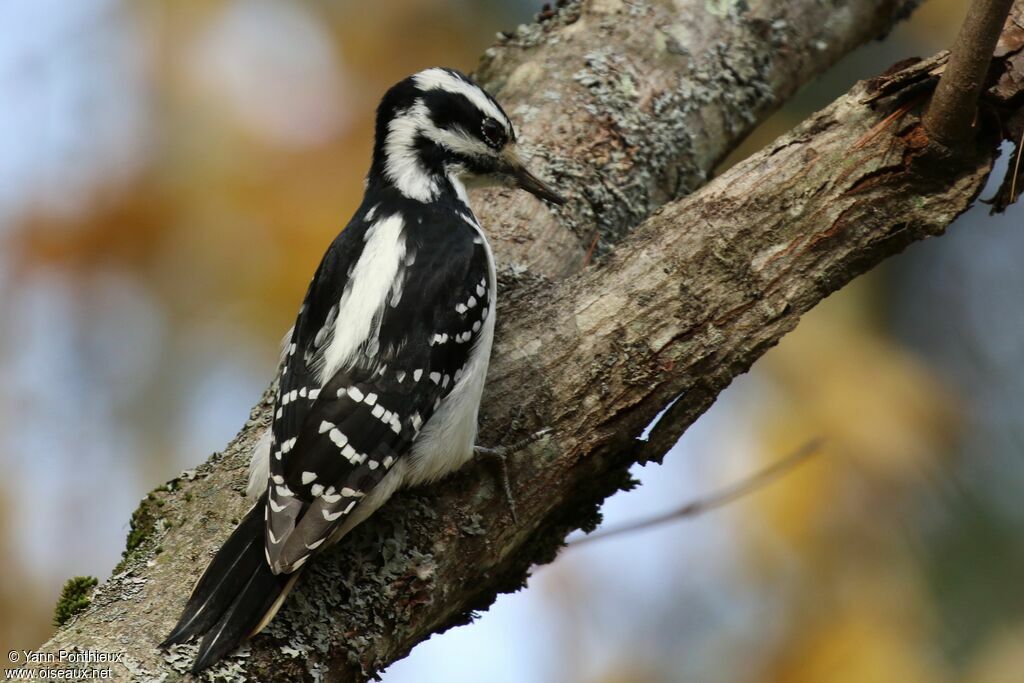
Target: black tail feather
(223, 579)
(234, 594)
(259, 596)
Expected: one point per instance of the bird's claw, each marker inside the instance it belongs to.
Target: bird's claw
(501, 453)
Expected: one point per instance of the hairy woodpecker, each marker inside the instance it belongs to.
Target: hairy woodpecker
(384, 368)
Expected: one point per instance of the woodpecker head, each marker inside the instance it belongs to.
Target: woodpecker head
(438, 127)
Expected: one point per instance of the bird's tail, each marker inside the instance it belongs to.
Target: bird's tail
(236, 596)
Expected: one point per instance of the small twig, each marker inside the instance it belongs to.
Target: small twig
(1016, 167)
(951, 112)
(727, 495)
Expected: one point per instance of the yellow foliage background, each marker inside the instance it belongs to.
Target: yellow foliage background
(170, 174)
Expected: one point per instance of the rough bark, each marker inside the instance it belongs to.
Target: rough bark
(690, 299)
(632, 103)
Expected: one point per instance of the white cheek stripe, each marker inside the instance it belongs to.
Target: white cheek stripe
(457, 140)
(402, 165)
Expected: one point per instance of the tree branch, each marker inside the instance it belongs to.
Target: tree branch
(686, 302)
(633, 103)
(951, 113)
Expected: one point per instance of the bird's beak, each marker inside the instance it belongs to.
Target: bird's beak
(523, 179)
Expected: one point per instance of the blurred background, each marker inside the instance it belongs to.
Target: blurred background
(170, 174)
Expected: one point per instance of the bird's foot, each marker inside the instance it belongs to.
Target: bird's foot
(501, 453)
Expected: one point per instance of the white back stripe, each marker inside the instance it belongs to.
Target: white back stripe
(366, 293)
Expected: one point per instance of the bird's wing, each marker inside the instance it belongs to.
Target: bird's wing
(332, 444)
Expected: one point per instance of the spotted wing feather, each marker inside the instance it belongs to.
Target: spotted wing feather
(332, 444)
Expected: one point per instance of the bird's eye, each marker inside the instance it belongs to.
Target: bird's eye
(494, 133)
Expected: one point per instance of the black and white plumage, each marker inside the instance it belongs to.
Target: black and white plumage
(385, 366)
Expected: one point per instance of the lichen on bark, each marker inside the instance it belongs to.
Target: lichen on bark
(686, 301)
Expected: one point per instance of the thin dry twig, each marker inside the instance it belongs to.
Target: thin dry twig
(727, 495)
(1016, 167)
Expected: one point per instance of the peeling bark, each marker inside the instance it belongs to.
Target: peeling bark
(686, 302)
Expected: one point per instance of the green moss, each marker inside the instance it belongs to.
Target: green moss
(142, 526)
(73, 598)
